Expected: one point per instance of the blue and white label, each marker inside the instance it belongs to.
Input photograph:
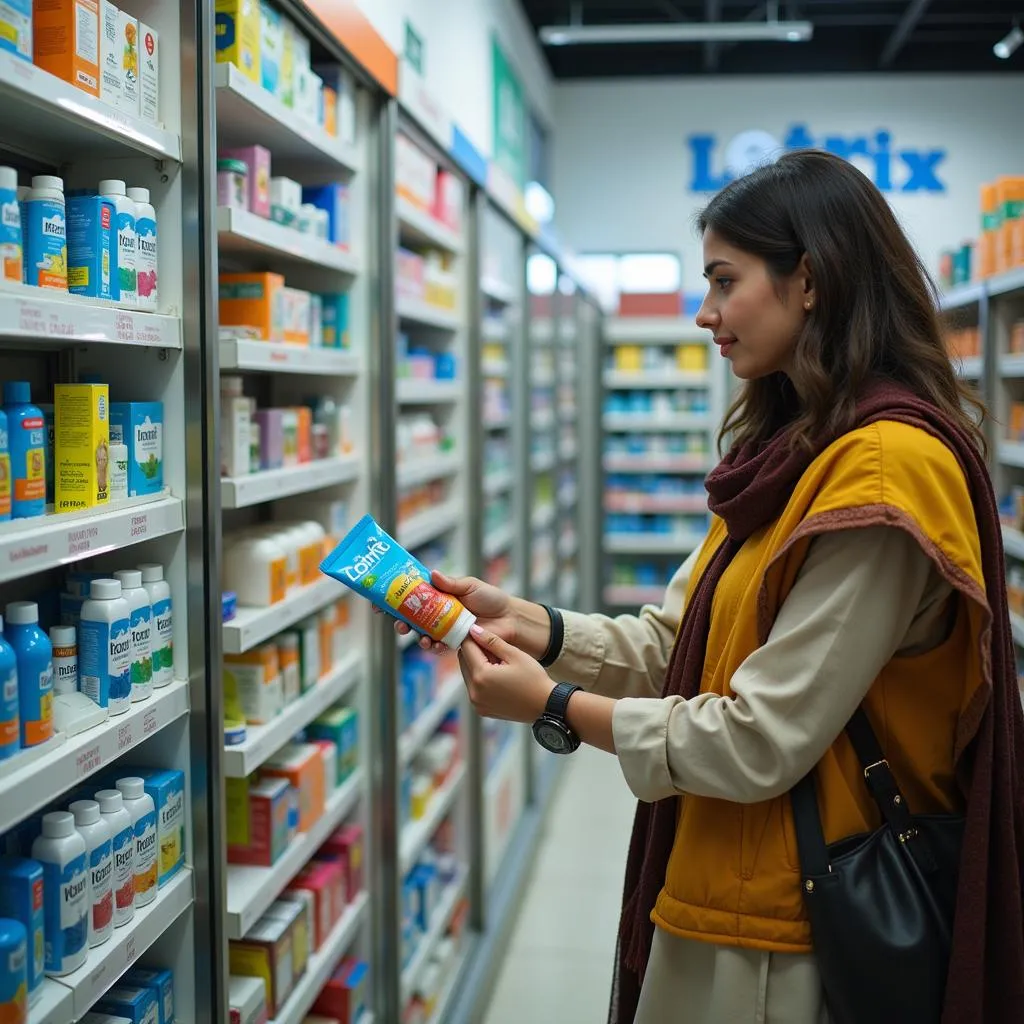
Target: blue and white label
(105, 662)
(126, 258)
(163, 641)
(65, 913)
(141, 628)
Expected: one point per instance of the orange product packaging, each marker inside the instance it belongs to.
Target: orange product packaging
(253, 300)
(988, 241)
(302, 765)
(326, 627)
(66, 41)
(1011, 211)
(330, 111)
(305, 432)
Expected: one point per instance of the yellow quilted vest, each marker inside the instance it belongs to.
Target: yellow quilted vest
(733, 877)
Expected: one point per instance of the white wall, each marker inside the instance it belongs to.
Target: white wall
(623, 166)
(457, 34)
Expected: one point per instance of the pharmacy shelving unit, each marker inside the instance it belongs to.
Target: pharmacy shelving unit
(663, 401)
(46, 337)
(329, 489)
(568, 367)
(433, 492)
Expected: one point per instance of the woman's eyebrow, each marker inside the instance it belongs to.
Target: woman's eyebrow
(714, 265)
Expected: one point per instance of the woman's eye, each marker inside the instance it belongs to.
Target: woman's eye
(723, 282)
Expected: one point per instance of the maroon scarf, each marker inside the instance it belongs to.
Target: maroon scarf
(748, 490)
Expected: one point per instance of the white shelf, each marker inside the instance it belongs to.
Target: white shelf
(969, 367)
(46, 109)
(499, 540)
(428, 392)
(264, 740)
(661, 464)
(1011, 453)
(271, 484)
(964, 295)
(654, 543)
(423, 470)
(444, 999)
(55, 1004)
(322, 963)
(624, 596)
(498, 291)
(543, 517)
(657, 424)
(416, 834)
(273, 357)
(423, 313)
(51, 318)
(106, 963)
(418, 226)
(656, 380)
(243, 233)
(1013, 542)
(1011, 365)
(47, 542)
(411, 742)
(415, 532)
(544, 462)
(248, 114)
(1005, 284)
(251, 626)
(439, 922)
(654, 330)
(1017, 628)
(32, 778)
(251, 889)
(669, 504)
(496, 483)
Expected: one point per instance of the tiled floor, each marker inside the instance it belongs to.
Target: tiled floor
(559, 964)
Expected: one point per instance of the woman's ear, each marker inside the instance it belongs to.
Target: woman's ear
(805, 281)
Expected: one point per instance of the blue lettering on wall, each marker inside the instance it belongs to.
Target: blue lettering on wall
(899, 170)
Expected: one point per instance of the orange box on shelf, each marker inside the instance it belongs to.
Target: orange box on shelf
(65, 41)
(988, 241)
(253, 300)
(1017, 338)
(303, 766)
(655, 304)
(1010, 194)
(305, 432)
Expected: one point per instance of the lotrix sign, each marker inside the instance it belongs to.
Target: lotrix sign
(893, 169)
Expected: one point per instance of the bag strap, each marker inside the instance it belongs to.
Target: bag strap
(881, 784)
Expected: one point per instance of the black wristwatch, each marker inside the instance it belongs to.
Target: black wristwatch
(551, 730)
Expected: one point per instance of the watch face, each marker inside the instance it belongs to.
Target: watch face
(551, 737)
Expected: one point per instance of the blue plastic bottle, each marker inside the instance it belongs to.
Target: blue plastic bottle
(13, 970)
(5, 470)
(10, 728)
(26, 436)
(34, 654)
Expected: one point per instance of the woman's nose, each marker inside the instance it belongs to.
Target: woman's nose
(707, 316)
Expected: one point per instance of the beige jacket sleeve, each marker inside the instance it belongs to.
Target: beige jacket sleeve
(625, 656)
(861, 596)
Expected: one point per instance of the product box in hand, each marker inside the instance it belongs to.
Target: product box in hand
(257, 820)
(140, 427)
(343, 998)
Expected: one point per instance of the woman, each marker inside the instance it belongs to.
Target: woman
(854, 559)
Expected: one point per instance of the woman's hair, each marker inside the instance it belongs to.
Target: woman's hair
(875, 307)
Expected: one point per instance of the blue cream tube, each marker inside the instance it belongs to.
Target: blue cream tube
(377, 567)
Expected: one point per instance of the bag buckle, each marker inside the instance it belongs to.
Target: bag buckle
(911, 833)
(878, 764)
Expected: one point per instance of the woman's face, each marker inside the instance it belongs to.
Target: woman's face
(756, 320)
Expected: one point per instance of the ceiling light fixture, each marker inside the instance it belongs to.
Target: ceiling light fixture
(680, 32)
(1009, 44)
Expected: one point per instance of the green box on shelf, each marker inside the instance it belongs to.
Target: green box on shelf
(340, 725)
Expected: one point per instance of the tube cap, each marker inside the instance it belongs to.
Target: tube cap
(140, 195)
(105, 590)
(131, 788)
(22, 613)
(151, 572)
(58, 824)
(460, 629)
(129, 579)
(17, 392)
(86, 812)
(110, 800)
(108, 187)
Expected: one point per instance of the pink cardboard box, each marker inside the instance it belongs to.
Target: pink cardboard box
(346, 847)
(257, 159)
(324, 880)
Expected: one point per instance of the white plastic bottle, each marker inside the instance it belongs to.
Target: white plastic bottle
(163, 623)
(105, 647)
(141, 624)
(10, 226)
(124, 215)
(99, 852)
(139, 804)
(122, 836)
(61, 851)
(145, 252)
(65, 659)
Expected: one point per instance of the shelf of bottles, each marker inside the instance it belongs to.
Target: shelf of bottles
(567, 415)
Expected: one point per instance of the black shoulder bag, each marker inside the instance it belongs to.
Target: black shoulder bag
(880, 904)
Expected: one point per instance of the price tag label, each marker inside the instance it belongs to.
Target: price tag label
(124, 327)
(139, 526)
(130, 949)
(148, 334)
(124, 736)
(31, 318)
(149, 723)
(20, 554)
(88, 761)
(81, 541)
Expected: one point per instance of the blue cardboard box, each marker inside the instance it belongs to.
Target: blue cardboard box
(161, 982)
(334, 199)
(140, 427)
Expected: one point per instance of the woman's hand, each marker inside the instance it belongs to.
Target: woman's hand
(503, 681)
(491, 606)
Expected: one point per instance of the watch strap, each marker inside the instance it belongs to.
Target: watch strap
(558, 702)
(554, 648)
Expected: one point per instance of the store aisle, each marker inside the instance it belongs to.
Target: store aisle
(566, 928)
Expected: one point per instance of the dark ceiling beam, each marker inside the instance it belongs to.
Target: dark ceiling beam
(712, 12)
(673, 12)
(902, 32)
